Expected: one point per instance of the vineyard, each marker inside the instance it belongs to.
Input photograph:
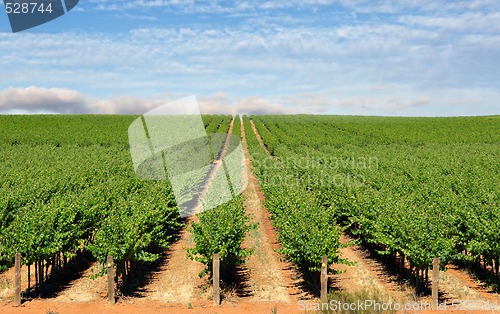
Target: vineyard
(411, 189)
(68, 187)
(222, 230)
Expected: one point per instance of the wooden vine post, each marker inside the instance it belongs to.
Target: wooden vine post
(324, 279)
(111, 280)
(216, 278)
(435, 283)
(17, 280)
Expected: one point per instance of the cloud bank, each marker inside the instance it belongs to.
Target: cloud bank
(37, 100)
(65, 101)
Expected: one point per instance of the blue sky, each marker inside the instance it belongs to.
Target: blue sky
(410, 58)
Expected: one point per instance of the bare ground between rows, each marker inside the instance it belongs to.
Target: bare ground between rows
(268, 279)
(77, 281)
(368, 274)
(259, 138)
(455, 284)
(468, 287)
(178, 280)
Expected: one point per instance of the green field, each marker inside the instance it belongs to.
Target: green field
(67, 185)
(414, 188)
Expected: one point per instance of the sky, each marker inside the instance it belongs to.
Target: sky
(358, 57)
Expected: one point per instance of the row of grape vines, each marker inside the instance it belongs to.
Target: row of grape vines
(67, 187)
(306, 230)
(413, 188)
(223, 229)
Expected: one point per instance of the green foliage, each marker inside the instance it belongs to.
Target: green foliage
(306, 230)
(237, 126)
(422, 187)
(221, 230)
(137, 225)
(67, 185)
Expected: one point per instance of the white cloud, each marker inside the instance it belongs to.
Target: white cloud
(263, 61)
(258, 105)
(218, 103)
(387, 100)
(56, 100)
(205, 6)
(221, 103)
(469, 22)
(382, 104)
(35, 99)
(118, 5)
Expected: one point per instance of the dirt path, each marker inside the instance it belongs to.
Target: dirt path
(456, 286)
(460, 284)
(365, 275)
(177, 280)
(84, 288)
(293, 277)
(266, 278)
(73, 283)
(144, 306)
(7, 283)
(259, 138)
(368, 274)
